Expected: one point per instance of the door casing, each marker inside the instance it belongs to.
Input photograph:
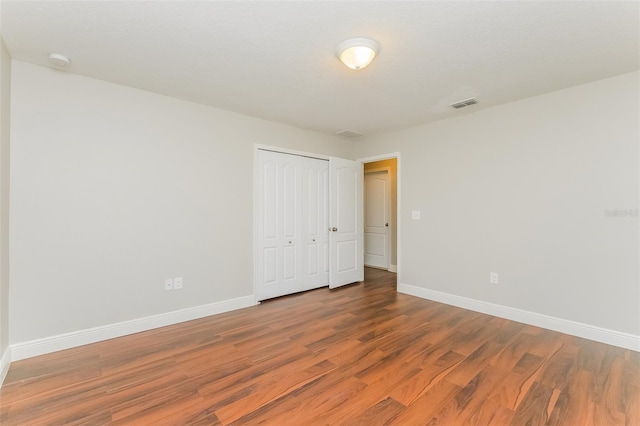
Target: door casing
(399, 217)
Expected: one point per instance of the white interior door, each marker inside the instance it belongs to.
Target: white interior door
(346, 263)
(279, 225)
(377, 210)
(315, 196)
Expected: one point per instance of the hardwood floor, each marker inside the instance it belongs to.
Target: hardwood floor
(362, 354)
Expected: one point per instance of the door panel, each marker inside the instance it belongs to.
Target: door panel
(270, 268)
(327, 258)
(291, 248)
(374, 246)
(347, 182)
(279, 200)
(269, 215)
(345, 241)
(316, 221)
(313, 255)
(290, 263)
(347, 254)
(290, 199)
(376, 224)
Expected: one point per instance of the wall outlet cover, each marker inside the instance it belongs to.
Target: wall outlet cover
(168, 284)
(177, 283)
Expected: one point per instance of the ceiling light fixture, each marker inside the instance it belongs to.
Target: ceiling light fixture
(59, 60)
(357, 53)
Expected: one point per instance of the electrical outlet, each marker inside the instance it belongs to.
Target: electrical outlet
(177, 283)
(493, 278)
(168, 284)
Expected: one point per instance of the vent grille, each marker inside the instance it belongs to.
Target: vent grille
(464, 103)
(349, 133)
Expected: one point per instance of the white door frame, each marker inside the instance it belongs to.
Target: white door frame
(391, 156)
(387, 209)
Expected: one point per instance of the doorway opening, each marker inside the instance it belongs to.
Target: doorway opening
(381, 212)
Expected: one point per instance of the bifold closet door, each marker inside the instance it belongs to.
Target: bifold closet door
(279, 254)
(309, 223)
(315, 225)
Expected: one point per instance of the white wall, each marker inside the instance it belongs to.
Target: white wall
(5, 95)
(114, 189)
(521, 189)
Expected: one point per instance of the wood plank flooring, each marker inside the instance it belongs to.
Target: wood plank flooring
(362, 354)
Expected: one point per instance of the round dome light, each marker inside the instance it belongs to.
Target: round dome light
(357, 53)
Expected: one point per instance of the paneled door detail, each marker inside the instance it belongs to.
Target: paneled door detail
(315, 196)
(376, 219)
(279, 224)
(346, 263)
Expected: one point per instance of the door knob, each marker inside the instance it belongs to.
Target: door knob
(386, 224)
(334, 229)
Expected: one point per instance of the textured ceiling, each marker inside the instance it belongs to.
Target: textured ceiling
(276, 60)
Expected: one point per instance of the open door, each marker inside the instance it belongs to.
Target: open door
(346, 265)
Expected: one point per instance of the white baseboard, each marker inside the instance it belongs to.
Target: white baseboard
(603, 335)
(393, 268)
(5, 363)
(83, 337)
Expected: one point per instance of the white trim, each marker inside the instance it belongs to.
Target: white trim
(83, 337)
(378, 170)
(290, 151)
(393, 268)
(256, 220)
(5, 363)
(380, 157)
(603, 335)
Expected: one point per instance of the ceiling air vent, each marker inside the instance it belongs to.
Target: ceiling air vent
(465, 103)
(349, 133)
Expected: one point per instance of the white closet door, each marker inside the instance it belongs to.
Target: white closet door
(315, 196)
(280, 226)
(346, 264)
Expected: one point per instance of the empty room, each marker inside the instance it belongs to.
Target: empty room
(319, 212)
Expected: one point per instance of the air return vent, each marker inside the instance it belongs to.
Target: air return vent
(465, 103)
(349, 133)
